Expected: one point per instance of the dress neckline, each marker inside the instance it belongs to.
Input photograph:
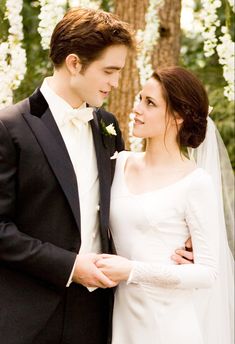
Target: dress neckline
(178, 181)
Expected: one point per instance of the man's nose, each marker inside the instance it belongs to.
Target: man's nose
(114, 80)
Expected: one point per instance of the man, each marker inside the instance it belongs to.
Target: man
(55, 178)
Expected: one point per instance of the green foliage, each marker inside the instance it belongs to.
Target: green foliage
(38, 63)
(211, 73)
(207, 69)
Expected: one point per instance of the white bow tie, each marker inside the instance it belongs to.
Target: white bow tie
(78, 116)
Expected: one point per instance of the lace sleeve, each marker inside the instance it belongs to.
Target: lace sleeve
(201, 218)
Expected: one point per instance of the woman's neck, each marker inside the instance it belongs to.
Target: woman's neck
(163, 154)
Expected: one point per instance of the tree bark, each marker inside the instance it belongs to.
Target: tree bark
(166, 52)
(121, 99)
(167, 49)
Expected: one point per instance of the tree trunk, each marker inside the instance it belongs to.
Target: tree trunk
(167, 50)
(166, 53)
(121, 99)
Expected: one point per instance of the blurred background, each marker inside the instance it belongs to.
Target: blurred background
(196, 34)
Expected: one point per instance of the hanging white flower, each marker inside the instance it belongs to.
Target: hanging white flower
(95, 4)
(232, 4)
(226, 54)
(210, 21)
(51, 13)
(147, 39)
(12, 54)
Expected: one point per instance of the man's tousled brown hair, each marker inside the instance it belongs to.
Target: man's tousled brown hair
(87, 33)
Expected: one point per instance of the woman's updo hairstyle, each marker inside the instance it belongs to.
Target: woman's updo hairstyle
(185, 95)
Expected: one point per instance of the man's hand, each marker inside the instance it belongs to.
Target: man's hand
(115, 267)
(184, 256)
(87, 273)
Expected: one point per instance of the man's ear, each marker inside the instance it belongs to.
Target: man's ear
(73, 64)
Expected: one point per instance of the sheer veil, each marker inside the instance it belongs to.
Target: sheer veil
(218, 303)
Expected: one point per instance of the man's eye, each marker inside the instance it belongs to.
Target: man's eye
(108, 72)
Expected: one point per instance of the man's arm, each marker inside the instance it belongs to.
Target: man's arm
(184, 256)
(22, 252)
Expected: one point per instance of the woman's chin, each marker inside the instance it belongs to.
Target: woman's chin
(136, 133)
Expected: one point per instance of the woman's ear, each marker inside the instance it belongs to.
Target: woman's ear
(73, 64)
(178, 119)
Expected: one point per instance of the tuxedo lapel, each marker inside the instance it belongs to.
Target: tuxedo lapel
(52, 144)
(104, 168)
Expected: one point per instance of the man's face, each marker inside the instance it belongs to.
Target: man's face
(95, 83)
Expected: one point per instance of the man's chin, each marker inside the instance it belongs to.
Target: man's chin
(96, 103)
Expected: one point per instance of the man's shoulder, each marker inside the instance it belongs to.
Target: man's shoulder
(12, 112)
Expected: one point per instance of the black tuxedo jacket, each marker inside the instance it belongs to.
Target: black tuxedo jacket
(39, 212)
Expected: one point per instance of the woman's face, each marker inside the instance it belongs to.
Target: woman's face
(150, 112)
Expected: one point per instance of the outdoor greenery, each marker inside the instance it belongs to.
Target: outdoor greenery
(208, 69)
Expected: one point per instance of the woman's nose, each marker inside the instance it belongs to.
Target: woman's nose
(138, 109)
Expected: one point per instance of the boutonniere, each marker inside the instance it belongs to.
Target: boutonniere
(114, 156)
(108, 130)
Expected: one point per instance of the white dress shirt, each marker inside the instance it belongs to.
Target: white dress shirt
(80, 146)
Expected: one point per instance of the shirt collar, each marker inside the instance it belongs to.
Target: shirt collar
(58, 106)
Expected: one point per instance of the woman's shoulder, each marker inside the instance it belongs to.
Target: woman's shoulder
(124, 155)
(201, 182)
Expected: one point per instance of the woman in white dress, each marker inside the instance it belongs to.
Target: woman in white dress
(159, 199)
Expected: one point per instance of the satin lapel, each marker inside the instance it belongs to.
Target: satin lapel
(52, 144)
(104, 169)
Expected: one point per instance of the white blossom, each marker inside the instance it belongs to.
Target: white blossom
(232, 4)
(111, 130)
(12, 54)
(147, 39)
(226, 52)
(210, 21)
(49, 16)
(95, 4)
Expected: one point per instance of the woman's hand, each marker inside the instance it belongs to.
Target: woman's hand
(116, 268)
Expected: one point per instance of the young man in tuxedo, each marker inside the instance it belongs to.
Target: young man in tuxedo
(55, 178)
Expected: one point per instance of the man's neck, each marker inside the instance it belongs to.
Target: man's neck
(59, 83)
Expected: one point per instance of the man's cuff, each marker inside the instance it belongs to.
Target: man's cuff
(71, 275)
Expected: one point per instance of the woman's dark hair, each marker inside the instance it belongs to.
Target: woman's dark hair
(185, 95)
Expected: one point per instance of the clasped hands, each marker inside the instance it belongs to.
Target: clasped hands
(107, 271)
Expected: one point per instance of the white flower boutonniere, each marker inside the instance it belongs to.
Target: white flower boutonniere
(114, 156)
(108, 130)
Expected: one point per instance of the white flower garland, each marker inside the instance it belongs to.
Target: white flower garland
(226, 53)
(147, 39)
(95, 4)
(12, 55)
(232, 4)
(225, 49)
(211, 22)
(51, 13)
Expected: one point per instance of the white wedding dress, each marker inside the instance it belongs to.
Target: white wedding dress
(164, 303)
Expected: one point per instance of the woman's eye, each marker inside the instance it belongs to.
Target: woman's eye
(149, 102)
(108, 72)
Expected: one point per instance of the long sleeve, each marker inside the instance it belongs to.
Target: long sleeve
(201, 219)
(19, 250)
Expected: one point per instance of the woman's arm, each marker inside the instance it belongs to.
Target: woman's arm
(201, 218)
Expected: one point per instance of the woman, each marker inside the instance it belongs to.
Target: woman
(159, 198)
